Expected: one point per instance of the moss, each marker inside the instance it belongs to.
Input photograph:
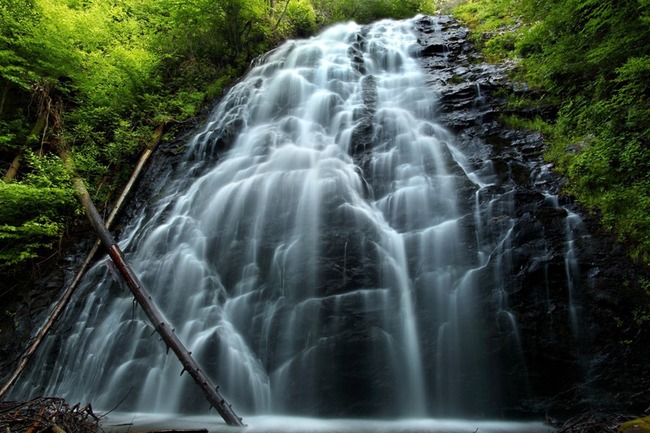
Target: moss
(640, 425)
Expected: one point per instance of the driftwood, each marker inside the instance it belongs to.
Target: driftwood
(47, 415)
(146, 302)
(65, 297)
(55, 415)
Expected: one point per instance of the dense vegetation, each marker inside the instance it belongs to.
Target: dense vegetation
(97, 77)
(589, 61)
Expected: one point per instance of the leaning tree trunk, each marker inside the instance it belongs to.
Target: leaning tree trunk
(284, 11)
(12, 171)
(146, 302)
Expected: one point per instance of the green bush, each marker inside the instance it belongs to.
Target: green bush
(34, 211)
(592, 60)
(301, 18)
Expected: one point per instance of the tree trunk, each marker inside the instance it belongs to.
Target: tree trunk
(70, 289)
(284, 11)
(151, 146)
(12, 171)
(146, 302)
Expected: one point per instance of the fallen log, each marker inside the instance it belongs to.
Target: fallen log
(65, 297)
(146, 302)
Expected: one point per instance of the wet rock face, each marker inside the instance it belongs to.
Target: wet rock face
(581, 353)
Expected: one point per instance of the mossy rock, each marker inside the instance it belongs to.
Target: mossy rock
(640, 425)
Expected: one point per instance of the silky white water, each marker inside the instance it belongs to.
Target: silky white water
(325, 248)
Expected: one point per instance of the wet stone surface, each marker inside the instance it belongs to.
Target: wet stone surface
(596, 360)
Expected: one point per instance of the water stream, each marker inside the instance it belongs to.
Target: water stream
(324, 249)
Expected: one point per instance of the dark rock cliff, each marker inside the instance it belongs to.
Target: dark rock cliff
(600, 364)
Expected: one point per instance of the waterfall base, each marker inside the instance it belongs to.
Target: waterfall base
(123, 422)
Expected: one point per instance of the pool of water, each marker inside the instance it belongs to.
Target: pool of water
(137, 422)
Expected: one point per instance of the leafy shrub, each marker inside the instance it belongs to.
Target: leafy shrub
(34, 211)
(592, 59)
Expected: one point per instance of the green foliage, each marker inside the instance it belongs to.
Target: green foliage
(592, 59)
(46, 172)
(208, 32)
(128, 142)
(89, 164)
(299, 19)
(34, 211)
(365, 11)
(27, 240)
(12, 132)
(218, 86)
(495, 24)
(17, 18)
(485, 16)
(535, 124)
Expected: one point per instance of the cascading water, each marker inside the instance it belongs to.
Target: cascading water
(324, 249)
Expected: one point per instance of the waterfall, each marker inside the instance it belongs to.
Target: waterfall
(324, 248)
